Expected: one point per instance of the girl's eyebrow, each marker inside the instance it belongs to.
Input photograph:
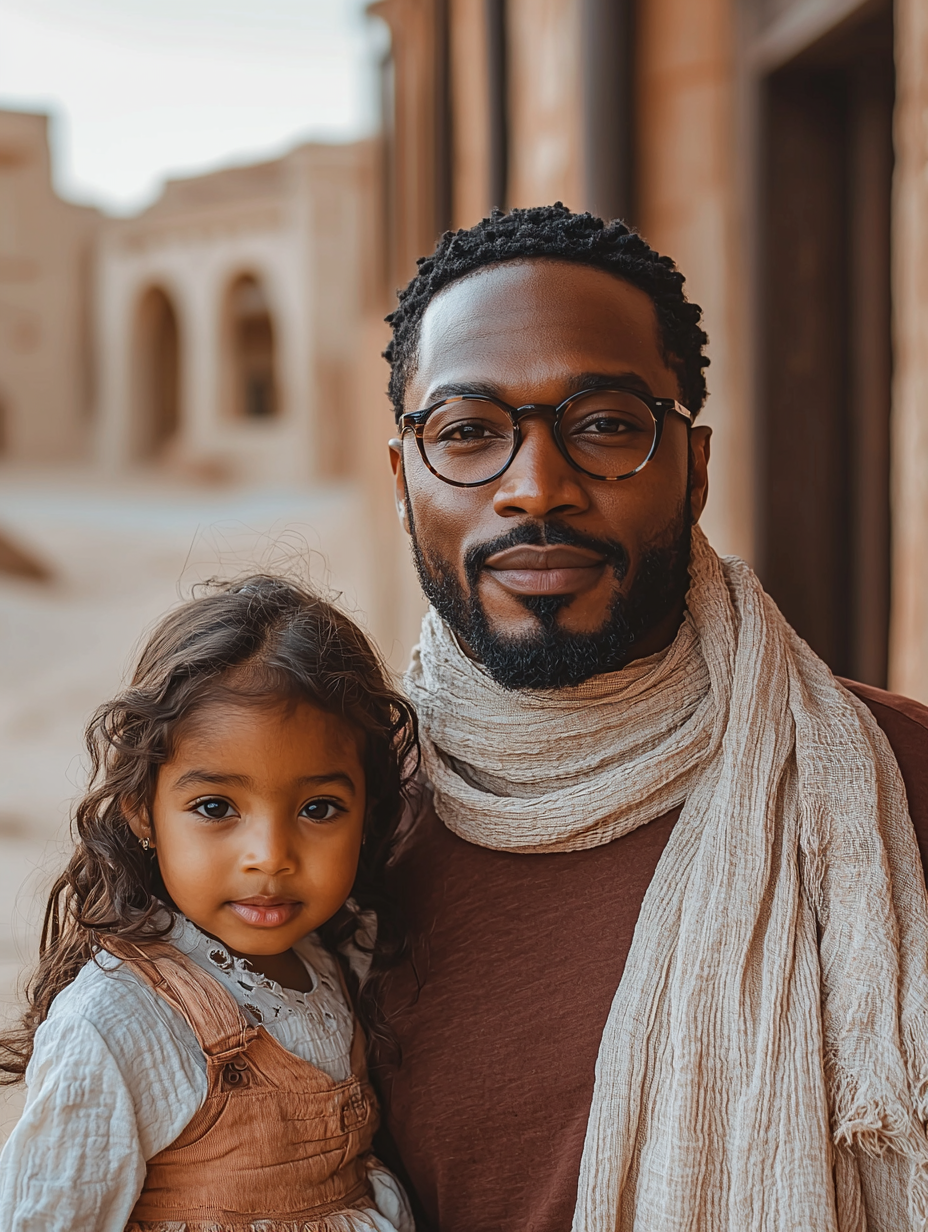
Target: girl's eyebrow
(212, 776)
(337, 776)
(218, 779)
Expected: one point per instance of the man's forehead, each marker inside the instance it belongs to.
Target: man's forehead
(540, 323)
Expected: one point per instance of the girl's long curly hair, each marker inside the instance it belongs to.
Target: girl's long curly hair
(260, 640)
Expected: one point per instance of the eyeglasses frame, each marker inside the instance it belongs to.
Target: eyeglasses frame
(415, 421)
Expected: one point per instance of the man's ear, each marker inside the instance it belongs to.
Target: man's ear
(396, 461)
(700, 447)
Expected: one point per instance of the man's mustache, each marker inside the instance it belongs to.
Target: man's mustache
(542, 535)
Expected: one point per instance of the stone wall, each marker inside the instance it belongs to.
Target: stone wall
(46, 375)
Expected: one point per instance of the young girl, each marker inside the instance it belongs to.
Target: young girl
(193, 1061)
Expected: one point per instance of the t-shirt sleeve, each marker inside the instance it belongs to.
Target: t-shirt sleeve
(100, 1102)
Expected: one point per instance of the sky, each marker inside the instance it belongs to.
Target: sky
(140, 90)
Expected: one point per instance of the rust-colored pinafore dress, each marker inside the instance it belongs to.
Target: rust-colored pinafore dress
(278, 1145)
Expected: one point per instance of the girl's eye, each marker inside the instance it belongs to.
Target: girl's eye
(320, 810)
(214, 808)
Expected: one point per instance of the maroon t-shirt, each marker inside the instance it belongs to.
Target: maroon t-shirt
(499, 1016)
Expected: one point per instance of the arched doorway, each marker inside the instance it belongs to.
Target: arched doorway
(251, 380)
(157, 374)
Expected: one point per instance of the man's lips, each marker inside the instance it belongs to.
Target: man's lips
(265, 911)
(555, 570)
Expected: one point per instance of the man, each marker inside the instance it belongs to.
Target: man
(669, 931)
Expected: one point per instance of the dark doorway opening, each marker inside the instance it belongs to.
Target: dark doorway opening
(826, 343)
(251, 345)
(157, 374)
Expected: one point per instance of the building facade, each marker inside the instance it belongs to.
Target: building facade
(46, 283)
(777, 150)
(227, 319)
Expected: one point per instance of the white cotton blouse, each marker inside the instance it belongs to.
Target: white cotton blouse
(117, 1074)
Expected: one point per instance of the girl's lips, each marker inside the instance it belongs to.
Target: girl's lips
(270, 913)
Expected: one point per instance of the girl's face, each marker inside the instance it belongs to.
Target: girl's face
(258, 820)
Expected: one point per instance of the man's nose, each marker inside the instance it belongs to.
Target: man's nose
(539, 482)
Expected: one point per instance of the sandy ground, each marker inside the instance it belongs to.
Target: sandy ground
(120, 555)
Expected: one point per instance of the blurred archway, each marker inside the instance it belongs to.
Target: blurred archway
(249, 361)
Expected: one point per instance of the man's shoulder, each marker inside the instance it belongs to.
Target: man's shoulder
(904, 720)
(905, 724)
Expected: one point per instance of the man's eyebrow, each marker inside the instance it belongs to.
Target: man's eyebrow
(572, 385)
(608, 380)
(454, 389)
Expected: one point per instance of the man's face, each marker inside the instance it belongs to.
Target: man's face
(549, 576)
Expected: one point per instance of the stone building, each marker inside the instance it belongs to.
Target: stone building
(216, 332)
(777, 150)
(228, 316)
(46, 250)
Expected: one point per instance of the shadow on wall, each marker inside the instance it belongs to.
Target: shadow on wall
(17, 561)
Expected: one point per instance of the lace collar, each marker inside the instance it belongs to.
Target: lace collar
(263, 998)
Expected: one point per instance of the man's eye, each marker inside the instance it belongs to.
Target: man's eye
(214, 808)
(466, 431)
(320, 810)
(605, 425)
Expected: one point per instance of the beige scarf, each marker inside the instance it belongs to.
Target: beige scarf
(765, 1060)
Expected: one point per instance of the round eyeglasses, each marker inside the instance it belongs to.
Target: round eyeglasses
(471, 439)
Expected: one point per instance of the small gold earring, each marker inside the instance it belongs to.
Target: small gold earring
(146, 843)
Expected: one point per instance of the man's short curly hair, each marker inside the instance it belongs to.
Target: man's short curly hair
(556, 232)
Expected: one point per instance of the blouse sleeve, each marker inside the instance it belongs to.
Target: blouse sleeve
(74, 1162)
(389, 1197)
(95, 1112)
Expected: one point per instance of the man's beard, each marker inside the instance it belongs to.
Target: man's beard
(553, 657)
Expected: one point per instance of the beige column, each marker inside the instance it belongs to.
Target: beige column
(197, 301)
(413, 211)
(688, 207)
(115, 312)
(470, 111)
(545, 103)
(908, 669)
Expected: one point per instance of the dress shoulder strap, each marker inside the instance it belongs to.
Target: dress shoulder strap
(221, 1028)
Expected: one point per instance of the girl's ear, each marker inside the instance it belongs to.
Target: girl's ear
(140, 824)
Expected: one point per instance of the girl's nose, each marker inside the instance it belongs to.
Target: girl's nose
(270, 847)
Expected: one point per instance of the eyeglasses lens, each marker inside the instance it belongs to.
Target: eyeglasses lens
(608, 433)
(468, 441)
